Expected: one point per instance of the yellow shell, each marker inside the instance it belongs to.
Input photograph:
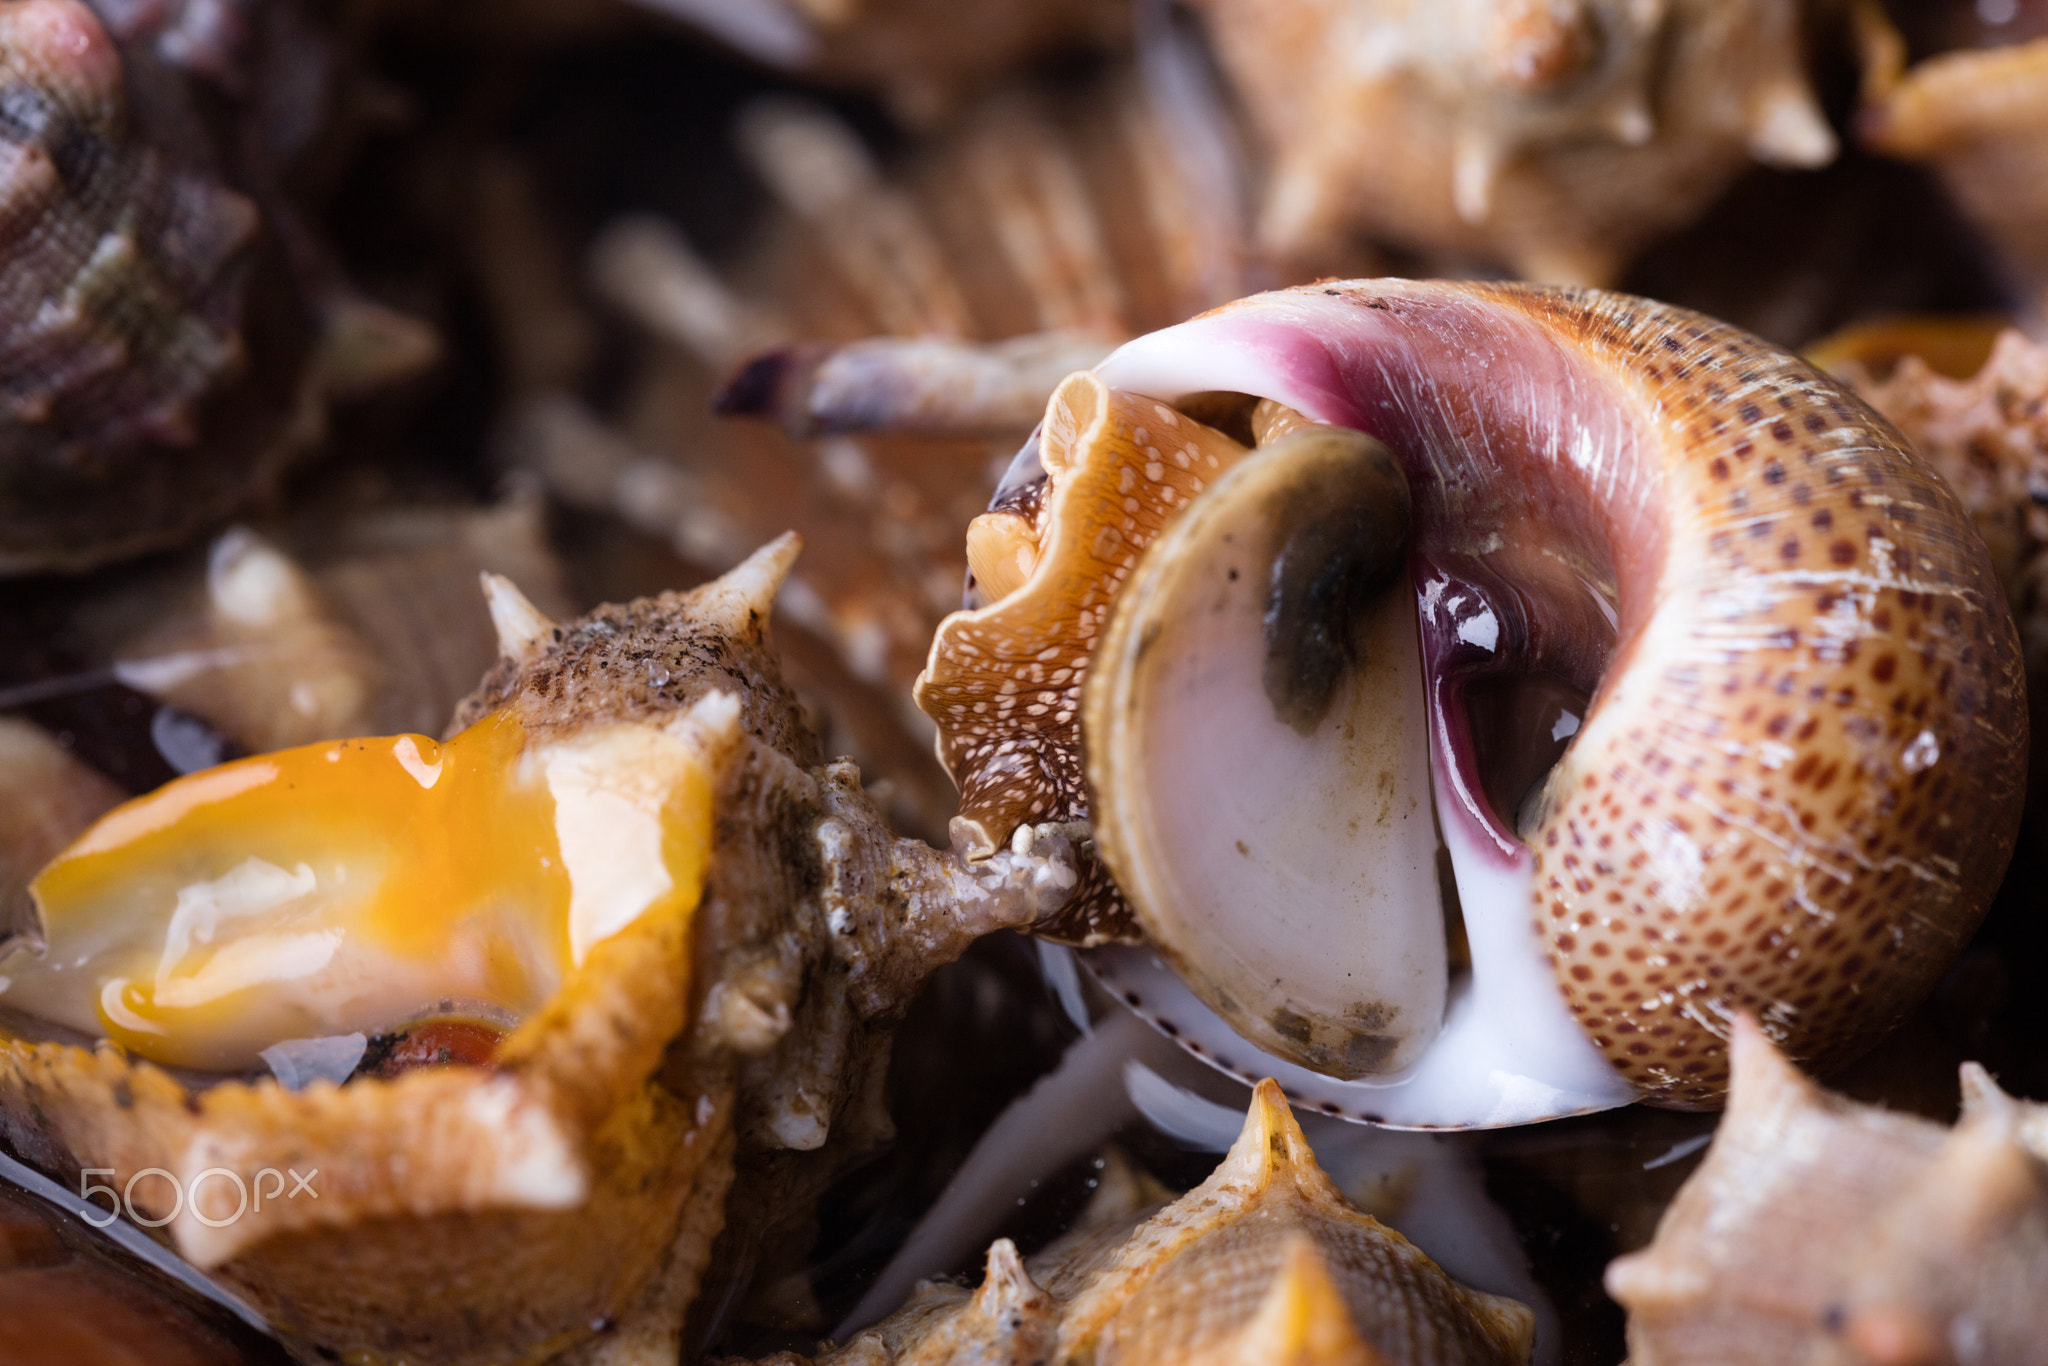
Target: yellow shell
(1265, 1262)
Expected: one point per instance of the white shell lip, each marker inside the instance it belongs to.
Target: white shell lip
(1265, 838)
(1509, 1051)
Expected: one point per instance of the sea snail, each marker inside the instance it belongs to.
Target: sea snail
(1705, 699)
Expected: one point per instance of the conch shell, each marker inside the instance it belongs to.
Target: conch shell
(1555, 137)
(739, 926)
(1820, 1230)
(1266, 1261)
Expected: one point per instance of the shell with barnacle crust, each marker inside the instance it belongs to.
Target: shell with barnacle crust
(1820, 1230)
(1555, 137)
(739, 924)
(1265, 1261)
(1715, 711)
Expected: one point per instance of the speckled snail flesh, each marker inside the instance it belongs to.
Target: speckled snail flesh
(1717, 703)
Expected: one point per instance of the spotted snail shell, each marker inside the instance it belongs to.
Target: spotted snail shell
(1800, 735)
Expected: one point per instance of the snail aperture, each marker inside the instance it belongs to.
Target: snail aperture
(1786, 687)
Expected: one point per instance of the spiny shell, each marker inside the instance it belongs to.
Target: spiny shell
(573, 1183)
(1083, 217)
(578, 1178)
(1819, 1231)
(1266, 1261)
(1555, 138)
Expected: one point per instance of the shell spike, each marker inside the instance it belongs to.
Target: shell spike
(1787, 128)
(1762, 1081)
(741, 599)
(1475, 166)
(1981, 1091)
(1272, 1147)
(1982, 1179)
(1303, 1320)
(1008, 1294)
(520, 625)
(250, 582)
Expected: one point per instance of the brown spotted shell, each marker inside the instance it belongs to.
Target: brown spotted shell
(1801, 771)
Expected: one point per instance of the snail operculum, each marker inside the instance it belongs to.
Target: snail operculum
(1235, 830)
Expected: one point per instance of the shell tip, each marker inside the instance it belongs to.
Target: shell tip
(744, 596)
(1787, 128)
(520, 625)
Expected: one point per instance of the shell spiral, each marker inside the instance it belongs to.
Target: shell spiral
(122, 285)
(1809, 791)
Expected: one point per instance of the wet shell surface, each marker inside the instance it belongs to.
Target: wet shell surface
(1266, 1261)
(563, 1174)
(632, 932)
(1778, 652)
(1819, 1230)
(121, 315)
(1555, 137)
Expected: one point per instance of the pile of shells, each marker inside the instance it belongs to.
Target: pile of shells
(570, 565)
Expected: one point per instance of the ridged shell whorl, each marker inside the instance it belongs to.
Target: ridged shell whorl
(121, 294)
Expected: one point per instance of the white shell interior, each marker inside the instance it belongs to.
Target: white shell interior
(1508, 1051)
(1256, 854)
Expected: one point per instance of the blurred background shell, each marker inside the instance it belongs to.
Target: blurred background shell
(168, 329)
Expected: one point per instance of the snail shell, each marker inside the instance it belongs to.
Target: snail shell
(1821, 1230)
(1265, 1261)
(122, 321)
(1797, 769)
(1556, 136)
